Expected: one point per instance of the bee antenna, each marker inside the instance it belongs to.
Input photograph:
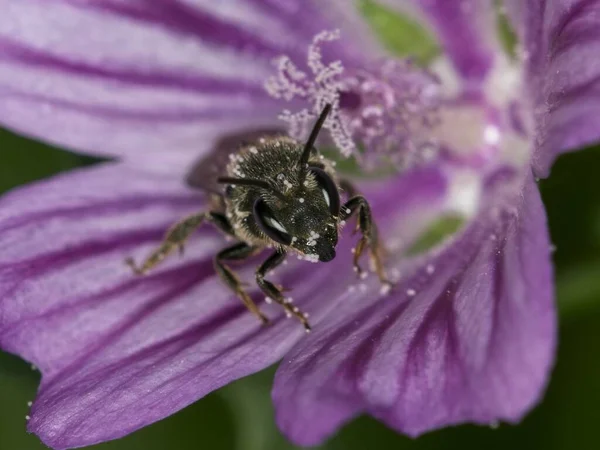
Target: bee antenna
(252, 182)
(313, 137)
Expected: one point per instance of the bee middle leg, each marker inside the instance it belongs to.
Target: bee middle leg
(237, 252)
(275, 292)
(366, 225)
(176, 236)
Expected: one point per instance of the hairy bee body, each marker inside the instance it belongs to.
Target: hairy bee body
(277, 193)
(305, 208)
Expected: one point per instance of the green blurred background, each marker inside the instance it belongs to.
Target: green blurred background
(240, 416)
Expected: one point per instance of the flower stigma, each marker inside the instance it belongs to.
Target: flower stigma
(385, 109)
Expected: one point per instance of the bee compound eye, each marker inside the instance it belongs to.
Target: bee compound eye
(329, 188)
(269, 225)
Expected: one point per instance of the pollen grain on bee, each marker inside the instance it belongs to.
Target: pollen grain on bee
(385, 289)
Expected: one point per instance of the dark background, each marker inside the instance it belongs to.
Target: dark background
(240, 416)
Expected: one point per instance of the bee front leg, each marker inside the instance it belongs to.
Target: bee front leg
(176, 236)
(274, 292)
(237, 252)
(369, 236)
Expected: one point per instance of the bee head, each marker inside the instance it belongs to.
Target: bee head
(306, 218)
(299, 210)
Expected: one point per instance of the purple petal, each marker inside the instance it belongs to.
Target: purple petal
(118, 352)
(561, 40)
(156, 81)
(469, 338)
(466, 30)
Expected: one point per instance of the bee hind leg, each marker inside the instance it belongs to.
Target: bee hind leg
(237, 252)
(176, 236)
(275, 292)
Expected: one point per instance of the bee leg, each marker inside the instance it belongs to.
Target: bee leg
(369, 236)
(275, 292)
(237, 252)
(176, 236)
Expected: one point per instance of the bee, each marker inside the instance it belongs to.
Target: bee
(277, 193)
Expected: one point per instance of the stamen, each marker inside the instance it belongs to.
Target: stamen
(385, 109)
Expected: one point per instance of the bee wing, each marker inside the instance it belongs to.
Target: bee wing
(206, 170)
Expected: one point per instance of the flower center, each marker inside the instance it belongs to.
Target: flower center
(394, 113)
(380, 114)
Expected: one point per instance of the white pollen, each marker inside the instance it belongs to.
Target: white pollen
(342, 222)
(411, 292)
(385, 289)
(27, 417)
(311, 257)
(364, 275)
(288, 314)
(253, 150)
(491, 135)
(430, 269)
(301, 200)
(29, 404)
(348, 211)
(268, 300)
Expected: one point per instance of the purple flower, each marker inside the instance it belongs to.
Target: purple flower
(468, 334)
